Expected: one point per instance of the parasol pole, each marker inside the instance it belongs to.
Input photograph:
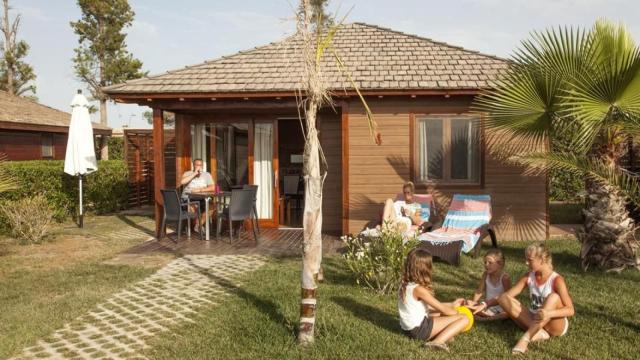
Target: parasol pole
(80, 189)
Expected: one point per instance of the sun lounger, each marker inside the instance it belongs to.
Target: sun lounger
(466, 223)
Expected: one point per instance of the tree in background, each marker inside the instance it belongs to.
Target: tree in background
(319, 14)
(581, 87)
(16, 76)
(169, 118)
(102, 58)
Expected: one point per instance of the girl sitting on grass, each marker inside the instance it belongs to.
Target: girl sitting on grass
(495, 281)
(422, 316)
(551, 303)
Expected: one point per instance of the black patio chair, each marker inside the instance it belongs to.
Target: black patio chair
(254, 189)
(239, 209)
(177, 211)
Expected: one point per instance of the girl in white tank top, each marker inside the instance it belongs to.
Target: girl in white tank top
(538, 293)
(416, 301)
(491, 289)
(551, 304)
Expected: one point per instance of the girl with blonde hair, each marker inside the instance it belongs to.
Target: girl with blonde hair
(551, 304)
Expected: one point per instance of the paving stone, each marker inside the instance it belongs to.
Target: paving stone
(120, 327)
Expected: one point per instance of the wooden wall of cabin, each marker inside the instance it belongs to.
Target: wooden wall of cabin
(376, 173)
(27, 145)
(331, 142)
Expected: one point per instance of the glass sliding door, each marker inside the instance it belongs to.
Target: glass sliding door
(231, 154)
(239, 153)
(263, 168)
(224, 151)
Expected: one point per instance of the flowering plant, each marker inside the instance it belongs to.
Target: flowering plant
(377, 261)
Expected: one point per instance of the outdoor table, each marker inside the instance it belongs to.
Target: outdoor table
(221, 200)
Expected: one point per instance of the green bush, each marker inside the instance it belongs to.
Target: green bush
(105, 190)
(377, 262)
(116, 148)
(564, 186)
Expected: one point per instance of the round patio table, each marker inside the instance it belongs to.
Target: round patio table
(221, 200)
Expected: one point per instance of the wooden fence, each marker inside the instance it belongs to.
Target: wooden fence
(138, 153)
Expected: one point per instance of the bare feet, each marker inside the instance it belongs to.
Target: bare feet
(541, 335)
(434, 346)
(521, 346)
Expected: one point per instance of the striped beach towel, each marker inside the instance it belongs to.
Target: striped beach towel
(465, 218)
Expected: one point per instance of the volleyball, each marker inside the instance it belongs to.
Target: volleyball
(466, 312)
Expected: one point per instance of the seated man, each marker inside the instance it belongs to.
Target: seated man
(197, 181)
(402, 214)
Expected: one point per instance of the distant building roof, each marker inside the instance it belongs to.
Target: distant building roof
(17, 112)
(378, 59)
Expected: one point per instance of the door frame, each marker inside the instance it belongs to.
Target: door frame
(250, 120)
(274, 222)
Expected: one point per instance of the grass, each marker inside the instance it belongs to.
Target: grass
(45, 286)
(260, 320)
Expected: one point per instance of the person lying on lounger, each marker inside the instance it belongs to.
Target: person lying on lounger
(402, 214)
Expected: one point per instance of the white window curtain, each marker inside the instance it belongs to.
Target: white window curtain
(263, 169)
(422, 151)
(199, 144)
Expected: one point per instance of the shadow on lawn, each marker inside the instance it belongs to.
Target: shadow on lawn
(267, 307)
(369, 313)
(133, 224)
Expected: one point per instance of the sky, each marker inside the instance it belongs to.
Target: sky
(168, 34)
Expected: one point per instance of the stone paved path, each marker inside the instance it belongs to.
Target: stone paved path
(120, 327)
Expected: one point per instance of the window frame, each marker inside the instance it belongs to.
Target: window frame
(47, 137)
(446, 181)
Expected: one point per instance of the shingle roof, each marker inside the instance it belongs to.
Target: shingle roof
(378, 59)
(16, 109)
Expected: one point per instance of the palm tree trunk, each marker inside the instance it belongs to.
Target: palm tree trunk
(607, 238)
(312, 224)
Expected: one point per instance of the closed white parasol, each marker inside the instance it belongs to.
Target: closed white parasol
(80, 159)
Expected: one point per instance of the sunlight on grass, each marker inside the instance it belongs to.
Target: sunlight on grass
(261, 320)
(45, 286)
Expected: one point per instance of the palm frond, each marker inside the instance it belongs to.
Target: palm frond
(522, 104)
(589, 168)
(7, 182)
(373, 126)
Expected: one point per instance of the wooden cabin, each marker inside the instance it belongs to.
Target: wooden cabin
(239, 114)
(32, 131)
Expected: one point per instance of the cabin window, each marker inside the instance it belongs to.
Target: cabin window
(47, 146)
(447, 150)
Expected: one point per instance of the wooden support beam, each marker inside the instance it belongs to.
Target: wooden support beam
(345, 167)
(158, 163)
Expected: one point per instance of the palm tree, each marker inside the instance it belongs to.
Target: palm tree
(581, 87)
(315, 37)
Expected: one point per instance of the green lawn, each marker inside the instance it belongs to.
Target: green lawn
(260, 322)
(42, 287)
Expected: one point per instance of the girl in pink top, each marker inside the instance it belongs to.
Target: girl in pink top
(551, 303)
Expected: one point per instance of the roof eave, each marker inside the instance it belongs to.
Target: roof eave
(140, 97)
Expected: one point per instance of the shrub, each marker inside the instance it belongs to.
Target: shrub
(28, 218)
(116, 148)
(565, 186)
(377, 262)
(105, 190)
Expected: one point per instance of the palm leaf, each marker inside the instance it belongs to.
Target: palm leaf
(7, 182)
(589, 168)
(373, 126)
